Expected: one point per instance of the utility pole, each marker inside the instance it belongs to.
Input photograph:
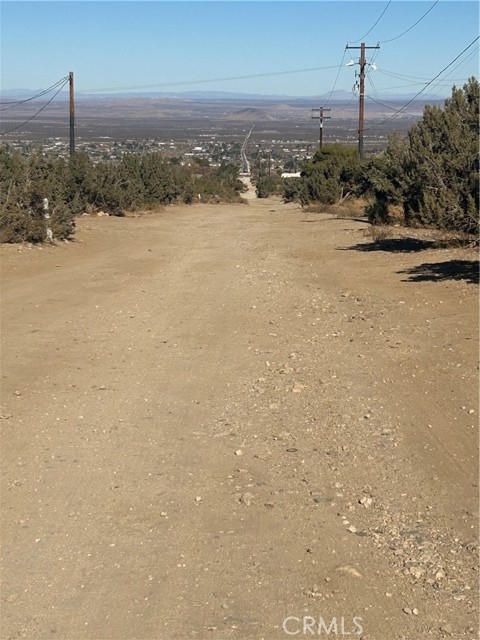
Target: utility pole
(361, 106)
(320, 117)
(72, 115)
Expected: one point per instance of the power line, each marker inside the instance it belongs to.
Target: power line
(372, 84)
(440, 73)
(413, 25)
(374, 57)
(441, 84)
(350, 101)
(207, 81)
(338, 73)
(416, 79)
(412, 81)
(427, 84)
(461, 64)
(35, 114)
(372, 28)
(369, 68)
(387, 106)
(16, 103)
(401, 76)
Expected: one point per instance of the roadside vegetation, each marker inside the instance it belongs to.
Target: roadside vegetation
(428, 178)
(78, 185)
(269, 185)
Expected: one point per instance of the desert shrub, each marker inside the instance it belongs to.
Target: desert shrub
(295, 190)
(79, 185)
(24, 183)
(18, 226)
(434, 172)
(442, 169)
(377, 211)
(333, 171)
(221, 184)
(268, 185)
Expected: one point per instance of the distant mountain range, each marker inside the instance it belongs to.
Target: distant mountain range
(221, 96)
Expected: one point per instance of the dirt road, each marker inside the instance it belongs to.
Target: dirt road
(238, 422)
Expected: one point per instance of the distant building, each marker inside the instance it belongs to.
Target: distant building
(287, 174)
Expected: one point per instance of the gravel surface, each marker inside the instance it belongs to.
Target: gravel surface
(238, 422)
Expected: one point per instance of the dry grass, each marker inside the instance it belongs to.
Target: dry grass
(349, 208)
(439, 239)
(378, 233)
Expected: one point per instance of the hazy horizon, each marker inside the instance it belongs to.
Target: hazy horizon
(296, 49)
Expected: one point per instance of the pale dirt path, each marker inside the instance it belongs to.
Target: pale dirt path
(250, 194)
(138, 360)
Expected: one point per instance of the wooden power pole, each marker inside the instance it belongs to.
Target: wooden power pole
(320, 117)
(72, 115)
(361, 105)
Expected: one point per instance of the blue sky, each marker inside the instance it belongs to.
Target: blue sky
(154, 45)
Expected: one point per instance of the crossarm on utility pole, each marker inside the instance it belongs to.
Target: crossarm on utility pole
(320, 117)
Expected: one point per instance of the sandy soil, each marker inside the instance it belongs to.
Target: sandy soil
(228, 422)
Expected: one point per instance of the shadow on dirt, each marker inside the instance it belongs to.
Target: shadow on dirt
(341, 218)
(394, 245)
(467, 270)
